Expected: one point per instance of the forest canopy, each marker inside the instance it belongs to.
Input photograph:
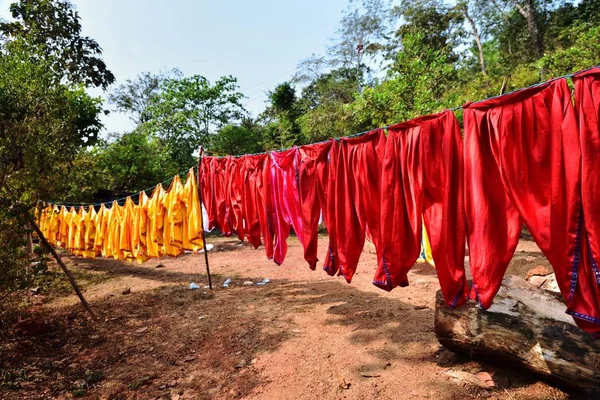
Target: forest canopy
(389, 61)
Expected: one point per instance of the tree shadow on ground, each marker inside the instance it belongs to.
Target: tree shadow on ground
(202, 343)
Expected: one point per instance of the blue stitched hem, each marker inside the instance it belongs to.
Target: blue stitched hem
(576, 259)
(382, 285)
(330, 268)
(388, 283)
(477, 298)
(342, 272)
(594, 264)
(584, 317)
(458, 295)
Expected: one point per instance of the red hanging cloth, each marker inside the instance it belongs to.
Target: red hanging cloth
(523, 164)
(357, 196)
(422, 179)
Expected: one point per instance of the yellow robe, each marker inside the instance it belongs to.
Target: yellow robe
(192, 238)
(70, 220)
(425, 255)
(125, 231)
(174, 213)
(90, 233)
(141, 229)
(100, 229)
(156, 217)
(63, 222)
(54, 226)
(112, 242)
(79, 232)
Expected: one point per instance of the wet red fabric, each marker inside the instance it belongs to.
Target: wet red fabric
(586, 299)
(252, 200)
(285, 178)
(317, 173)
(357, 196)
(422, 178)
(215, 190)
(234, 191)
(522, 164)
(267, 215)
(206, 185)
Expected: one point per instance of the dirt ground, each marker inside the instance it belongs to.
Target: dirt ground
(304, 335)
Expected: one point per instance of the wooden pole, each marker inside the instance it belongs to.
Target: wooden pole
(203, 235)
(60, 262)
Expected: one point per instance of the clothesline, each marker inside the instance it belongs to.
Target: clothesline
(121, 199)
(528, 158)
(567, 76)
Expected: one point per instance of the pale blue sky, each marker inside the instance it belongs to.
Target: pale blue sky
(258, 41)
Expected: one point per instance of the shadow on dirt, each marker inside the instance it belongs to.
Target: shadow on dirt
(201, 344)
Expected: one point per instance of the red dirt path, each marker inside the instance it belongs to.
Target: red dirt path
(305, 335)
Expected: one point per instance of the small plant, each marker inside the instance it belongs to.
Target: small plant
(135, 385)
(12, 379)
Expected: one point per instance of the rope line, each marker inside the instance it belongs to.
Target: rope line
(195, 166)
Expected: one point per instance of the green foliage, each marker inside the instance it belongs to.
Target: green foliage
(134, 96)
(361, 34)
(50, 30)
(42, 127)
(46, 116)
(135, 161)
(237, 139)
(188, 111)
(132, 162)
(282, 128)
(582, 50)
(12, 261)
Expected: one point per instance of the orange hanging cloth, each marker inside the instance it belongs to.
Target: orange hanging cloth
(111, 242)
(79, 232)
(126, 228)
(141, 228)
(156, 217)
(90, 233)
(70, 220)
(100, 230)
(193, 223)
(173, 218)
(63, 230)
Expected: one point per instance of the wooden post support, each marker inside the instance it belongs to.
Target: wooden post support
(60, 262)
(526, 328)
(200, 155)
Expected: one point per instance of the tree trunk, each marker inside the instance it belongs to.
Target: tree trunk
(526, 328)
(477, 37)
(29, 246)
(527, 10)
(64, 268)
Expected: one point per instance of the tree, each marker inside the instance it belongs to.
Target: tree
(134, 96)
(309, 69)
(50, 30)
(335, 86)
(362, 30)
(529, 10)
(464, 8)
(46, 116)
(282, 114)
(134, 162)
(187, 111)
(244, 138)
(439, 26)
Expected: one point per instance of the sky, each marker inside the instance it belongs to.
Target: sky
(259, 42)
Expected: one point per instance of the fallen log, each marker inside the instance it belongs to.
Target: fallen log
(526, 328)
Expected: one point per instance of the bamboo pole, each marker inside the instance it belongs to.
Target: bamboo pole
(203, 235)
(60, 262)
